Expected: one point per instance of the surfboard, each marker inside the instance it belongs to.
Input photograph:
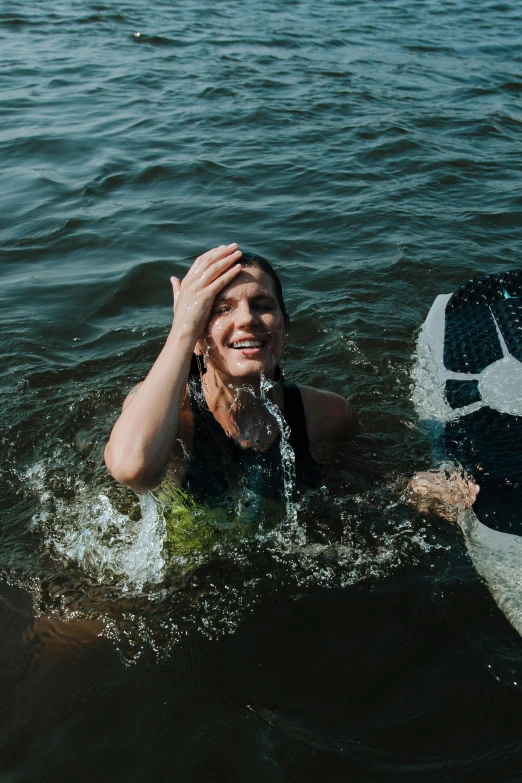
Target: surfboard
(468, 394)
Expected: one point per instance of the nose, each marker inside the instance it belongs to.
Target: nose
(245, 314)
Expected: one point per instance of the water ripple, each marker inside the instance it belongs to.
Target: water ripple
(371, 150)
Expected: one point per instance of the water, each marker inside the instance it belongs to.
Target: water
(287, 455)
(371, 150)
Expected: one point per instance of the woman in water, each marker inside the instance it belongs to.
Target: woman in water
(210, 409)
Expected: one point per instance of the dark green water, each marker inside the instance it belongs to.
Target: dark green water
(371, 150)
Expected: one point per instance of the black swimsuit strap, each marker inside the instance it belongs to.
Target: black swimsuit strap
(294, 413)
(204, 420)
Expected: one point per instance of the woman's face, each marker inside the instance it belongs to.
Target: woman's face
(246, 331)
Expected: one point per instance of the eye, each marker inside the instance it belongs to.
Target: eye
(221, 308)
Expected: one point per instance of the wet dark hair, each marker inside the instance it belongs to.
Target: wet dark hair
(252, 259)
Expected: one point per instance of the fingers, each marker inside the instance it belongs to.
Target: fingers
(176, 287)
(208, 275)
(217, 254)
(224, 279)
(427, 483)
(453, 490)
(473, 490)
(217, 268)
(211, 266)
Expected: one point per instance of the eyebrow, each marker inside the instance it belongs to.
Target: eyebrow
(253, 298)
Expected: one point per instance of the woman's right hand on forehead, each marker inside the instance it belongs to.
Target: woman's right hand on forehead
(195, 294)
(142, 439)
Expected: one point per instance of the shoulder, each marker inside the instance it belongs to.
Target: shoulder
(329, 417)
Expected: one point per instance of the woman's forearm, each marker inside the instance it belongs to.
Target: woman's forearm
(142, 439)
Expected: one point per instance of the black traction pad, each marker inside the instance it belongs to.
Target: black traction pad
(471, 340)
(487, 443)
(461, 393)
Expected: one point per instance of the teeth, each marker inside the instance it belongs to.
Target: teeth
(247, 344)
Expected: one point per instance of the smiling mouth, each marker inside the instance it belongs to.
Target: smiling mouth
(239, 344)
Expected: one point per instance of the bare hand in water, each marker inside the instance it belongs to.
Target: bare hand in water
(195, 294)
(442, 492)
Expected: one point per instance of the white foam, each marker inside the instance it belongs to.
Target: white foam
(107, 544)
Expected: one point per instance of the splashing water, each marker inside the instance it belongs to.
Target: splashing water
(147, 604)
(105, 542)
(109, 561)
(287, 456)
(286, 451)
